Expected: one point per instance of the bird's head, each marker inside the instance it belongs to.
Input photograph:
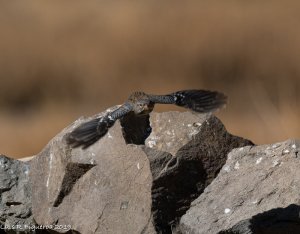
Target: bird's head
(141, 103)
(142, 107)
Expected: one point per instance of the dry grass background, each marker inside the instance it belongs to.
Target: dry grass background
(63, 59)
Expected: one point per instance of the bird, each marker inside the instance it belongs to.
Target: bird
(140, 104)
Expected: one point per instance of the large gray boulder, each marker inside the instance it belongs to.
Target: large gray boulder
(103, 189)
(257, 191)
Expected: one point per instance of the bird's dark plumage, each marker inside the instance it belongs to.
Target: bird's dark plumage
(90, 132)
(140, 103)
(197, 100)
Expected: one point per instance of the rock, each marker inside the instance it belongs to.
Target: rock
(15, 196)
(103, 189)
(25, 159)
(257, 191)
(172, 130)
(116, 187)
(197, 148)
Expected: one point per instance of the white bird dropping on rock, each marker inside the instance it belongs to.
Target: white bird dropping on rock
(227, 211)
(258, 161)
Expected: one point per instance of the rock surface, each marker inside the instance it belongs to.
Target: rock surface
(183, 174)
(202, 145)
(104, 189)
(15, 196)
(172, 130)
(114, 187)
(257, 191)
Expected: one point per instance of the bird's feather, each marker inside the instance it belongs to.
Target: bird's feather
(197, 100)
(89, 132)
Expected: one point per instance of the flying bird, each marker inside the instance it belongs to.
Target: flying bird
(141, 104)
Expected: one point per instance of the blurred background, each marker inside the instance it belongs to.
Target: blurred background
(60, 60)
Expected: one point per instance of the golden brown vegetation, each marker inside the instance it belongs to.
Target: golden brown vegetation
(63, 59)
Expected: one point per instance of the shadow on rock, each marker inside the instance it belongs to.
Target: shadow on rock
(275, 221)
(180, 179)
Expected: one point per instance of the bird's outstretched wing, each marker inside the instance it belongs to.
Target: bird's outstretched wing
(197, 100)
(88, 133)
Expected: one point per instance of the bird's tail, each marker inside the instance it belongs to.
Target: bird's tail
(88, 133)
